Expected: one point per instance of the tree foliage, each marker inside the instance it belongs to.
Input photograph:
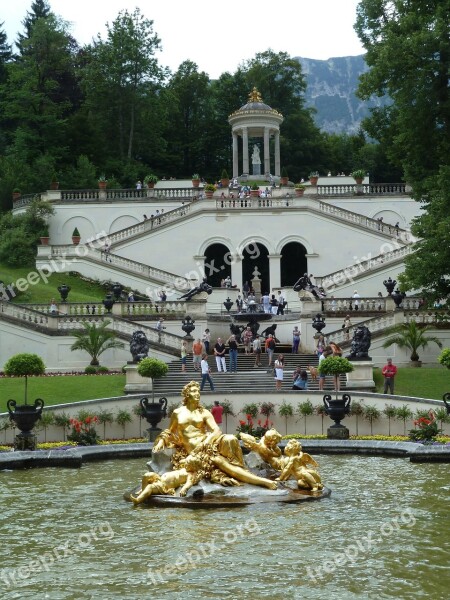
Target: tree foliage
(412, 337)
(408, 52)
(96, 339)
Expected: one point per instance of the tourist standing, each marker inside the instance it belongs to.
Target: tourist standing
(206, 373)
(219, 353)
(266, 303)
(257, 351)
(247, 338)
(183, 353)
(206, 339)
(281, 301)
(270, 348)
(356, 298)
(389, 371)
(346, 327)
(295, 340)
(320, 345)
(279, 364)
(197, 351)
(233, 352)
(273, 304)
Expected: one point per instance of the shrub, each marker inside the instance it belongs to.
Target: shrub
(444, 358)
(102, 370)
(90, 370)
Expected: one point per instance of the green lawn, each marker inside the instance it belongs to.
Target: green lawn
(43, 291)
(423, 382)
(61, 389)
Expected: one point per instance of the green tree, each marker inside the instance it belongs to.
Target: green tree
(403, 413)
(152, 368)
(286, 410)
(390, 412)
(24, 365)
(121, 73)
(305, 409)
(47, 419)
(444, 358)
(356, 410)
(412, 337)
(105, 417)
(122, 418)
(96, 339)
(40, 9)
(371, 413)
(408, 52)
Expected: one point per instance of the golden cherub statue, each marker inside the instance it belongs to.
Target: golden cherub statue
(294, 465)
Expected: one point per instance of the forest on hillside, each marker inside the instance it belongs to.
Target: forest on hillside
(72, 113)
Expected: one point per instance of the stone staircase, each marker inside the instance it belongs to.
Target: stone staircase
(248, 379)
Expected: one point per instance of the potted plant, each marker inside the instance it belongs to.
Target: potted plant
(299, 189)
(284, 179)
(412, 337)
(224, 179)
(336, 408)
(102, 181)
(254, 190)
(16, 193)
(195, 180)
(45, 237)
(358, 175)
(313, 177)
(76, 237)
(24, 415)
(54, 183)
(209, 190)
(150, 180)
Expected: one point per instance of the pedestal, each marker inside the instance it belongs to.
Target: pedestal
(256, 168)
(153, 434)
(24, 441)
(134, 383)
(338, 432)
(309, 307)
(362, 376)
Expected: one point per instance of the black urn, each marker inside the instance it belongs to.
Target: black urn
(25, 416)
(446, 397)
(228, 304)
(398, 297)
(108, 302)
(64, 291)
(337, 409)
(390, 284)
(153, 412)
(188, 325)
(318, 323)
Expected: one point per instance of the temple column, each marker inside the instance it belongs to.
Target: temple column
(277, 154)
(266, 150)
(245, 163)
(275, 270)
(235, 155)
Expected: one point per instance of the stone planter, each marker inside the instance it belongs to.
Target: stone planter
(313, 180)
(299, 192)
(195, 183)
(45, 241)
(254, 193)
(209, 195)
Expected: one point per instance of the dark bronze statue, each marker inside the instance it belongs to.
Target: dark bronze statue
(360, 344)
(202, 287)
(305, 283)
(139, 346)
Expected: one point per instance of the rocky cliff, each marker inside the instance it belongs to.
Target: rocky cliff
(331, 87)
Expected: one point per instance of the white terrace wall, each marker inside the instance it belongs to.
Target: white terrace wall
(314, 424)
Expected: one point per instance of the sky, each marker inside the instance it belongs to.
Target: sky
(217, 36)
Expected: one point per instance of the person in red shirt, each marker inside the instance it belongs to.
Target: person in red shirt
(217, 412)
(389, 371)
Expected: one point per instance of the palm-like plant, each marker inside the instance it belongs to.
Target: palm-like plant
(95, 340)
(412, 337)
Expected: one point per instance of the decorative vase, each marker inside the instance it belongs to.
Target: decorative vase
(76, 240)
(54, 185)
(209, 194)
(299, 192)
(153, 412)
(254, 193)
(196, 183)
(284, 180)
(313, 180)
(25, 416)
(102, 185)
(45, 241)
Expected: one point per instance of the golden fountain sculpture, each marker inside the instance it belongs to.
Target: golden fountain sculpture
(200, 451)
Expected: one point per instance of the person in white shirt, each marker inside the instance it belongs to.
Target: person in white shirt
(356, 298)
(205, 373)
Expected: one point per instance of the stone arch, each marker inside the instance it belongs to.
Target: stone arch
(255, 254)
(216, 266)
(86, 228)
(122, 222)
(293, 262)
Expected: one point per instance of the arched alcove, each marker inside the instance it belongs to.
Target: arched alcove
(293, 263)
(256, 255)
(217, 264)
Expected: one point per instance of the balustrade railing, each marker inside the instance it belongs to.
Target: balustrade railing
(348, 304)
(23, 313)
(348, 274)
(365, 188)
(342, 335)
